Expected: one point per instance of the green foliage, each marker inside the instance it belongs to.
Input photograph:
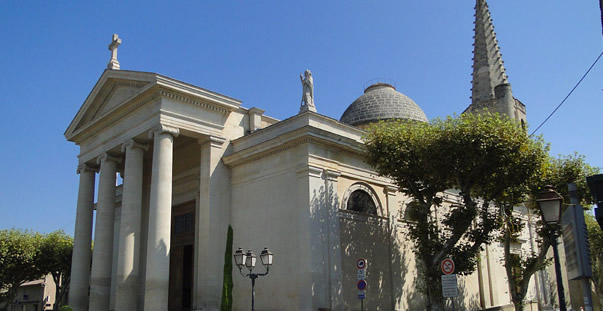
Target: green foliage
(66, 308)
(557, 172)
(54, 257)
(226, 304)
(28, 255)
(595, 238)
(482, 156)
(18, 255)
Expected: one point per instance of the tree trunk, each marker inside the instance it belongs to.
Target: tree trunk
(518, 305)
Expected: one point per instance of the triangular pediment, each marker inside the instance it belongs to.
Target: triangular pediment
(113, 89)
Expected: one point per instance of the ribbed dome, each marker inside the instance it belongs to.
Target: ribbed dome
(381, 101)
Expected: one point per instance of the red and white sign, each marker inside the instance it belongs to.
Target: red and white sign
(447, 266)
(361, 263)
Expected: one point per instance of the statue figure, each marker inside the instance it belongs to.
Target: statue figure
(307, 102)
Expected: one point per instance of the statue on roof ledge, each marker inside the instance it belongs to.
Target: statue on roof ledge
(307, 102)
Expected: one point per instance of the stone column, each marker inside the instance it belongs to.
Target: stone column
(82, 241)
(129, 236)
(160, 217)
(102, 256)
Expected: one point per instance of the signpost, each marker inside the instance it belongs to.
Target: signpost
(449, 284)
(361, 285)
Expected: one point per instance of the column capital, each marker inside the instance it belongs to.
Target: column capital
(86, 168)
(131, 143)
(107, 157)
(215, 141)
(162, 128)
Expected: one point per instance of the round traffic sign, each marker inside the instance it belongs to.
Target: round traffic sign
(361, 285)
(447, 266)
(361, 263)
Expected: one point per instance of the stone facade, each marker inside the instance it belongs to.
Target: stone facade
(194, 162)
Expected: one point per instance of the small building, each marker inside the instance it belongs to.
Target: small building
(37, 295)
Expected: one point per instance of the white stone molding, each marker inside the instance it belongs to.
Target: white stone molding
(131, 143)
(366, 188)
(332, 175)
(194, 102)
(309, 170)
(86, 168)
(214, 141)
(107, 157)
(162, 128)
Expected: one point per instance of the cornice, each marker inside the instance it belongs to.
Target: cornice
(304, 135)
(115, 115)
(214, 141)
(195, 102)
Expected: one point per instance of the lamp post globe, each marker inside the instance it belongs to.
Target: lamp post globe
(266, 257)
(239, 258)
(550, 204)
(248, 260)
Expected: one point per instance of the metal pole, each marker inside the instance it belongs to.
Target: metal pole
(252, 292)
(588, 298)
(560, 290)
(361, 304)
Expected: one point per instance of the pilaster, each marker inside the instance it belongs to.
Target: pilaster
(314, 287)
(335, 262)
(212, 220)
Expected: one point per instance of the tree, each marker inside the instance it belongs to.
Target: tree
(226, 304)
(557, 172)
(17, 261)
(54, 257)
(595, 238)
(482, 156)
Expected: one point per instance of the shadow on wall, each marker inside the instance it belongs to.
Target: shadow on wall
(349, 236)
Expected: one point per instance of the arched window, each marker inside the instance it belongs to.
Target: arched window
(360, 198)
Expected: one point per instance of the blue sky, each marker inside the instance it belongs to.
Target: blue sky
(53, 52)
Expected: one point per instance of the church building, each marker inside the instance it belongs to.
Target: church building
(195, 162)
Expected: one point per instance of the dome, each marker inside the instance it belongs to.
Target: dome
(381, 101)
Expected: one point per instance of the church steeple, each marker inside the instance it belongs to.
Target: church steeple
(488, 68)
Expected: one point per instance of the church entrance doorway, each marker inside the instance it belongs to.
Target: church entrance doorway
(181, 257)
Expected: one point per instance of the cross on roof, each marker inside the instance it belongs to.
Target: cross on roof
(113, 63)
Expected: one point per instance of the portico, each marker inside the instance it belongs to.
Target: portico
(130, 123)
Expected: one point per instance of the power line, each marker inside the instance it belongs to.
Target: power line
(568, 95)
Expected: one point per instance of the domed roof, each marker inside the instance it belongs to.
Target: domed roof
(381, 101)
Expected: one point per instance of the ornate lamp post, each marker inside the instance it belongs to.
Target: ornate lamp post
(549, 202)
(248, 260)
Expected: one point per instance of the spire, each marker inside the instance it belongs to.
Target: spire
(488, 68)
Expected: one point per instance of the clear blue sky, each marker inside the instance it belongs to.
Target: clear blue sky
(53, 52)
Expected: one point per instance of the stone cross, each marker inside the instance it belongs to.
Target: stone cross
(113, 63)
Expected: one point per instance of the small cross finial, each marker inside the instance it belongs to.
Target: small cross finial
(113, 63)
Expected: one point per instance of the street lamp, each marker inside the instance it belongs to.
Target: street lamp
(595, 183)
(549, 202)
(248, 260)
